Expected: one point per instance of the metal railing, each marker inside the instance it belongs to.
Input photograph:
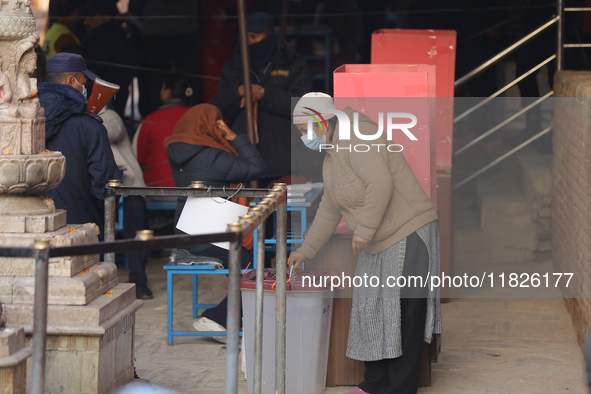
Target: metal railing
(274, 200)
(501, 55)
(558, 20)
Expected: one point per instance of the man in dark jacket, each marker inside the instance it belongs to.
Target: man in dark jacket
(278, 74)
(80, 137)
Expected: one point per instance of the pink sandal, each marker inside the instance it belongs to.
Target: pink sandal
(356, 390)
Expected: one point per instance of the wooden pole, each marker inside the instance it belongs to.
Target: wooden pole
(248, 104)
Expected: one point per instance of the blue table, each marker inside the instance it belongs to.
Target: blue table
(194, 270)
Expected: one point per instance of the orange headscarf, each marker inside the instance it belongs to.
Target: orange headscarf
(198, 127)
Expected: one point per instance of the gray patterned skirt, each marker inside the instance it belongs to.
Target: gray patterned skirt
(374, 330)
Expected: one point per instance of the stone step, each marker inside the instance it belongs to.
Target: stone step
(83, 320)
(33, 223)
(13, 358)
(535, 176)
(72, 234)
(475, 248)
(503, 207)
(89, 348)
(77, 290)
(500, 230)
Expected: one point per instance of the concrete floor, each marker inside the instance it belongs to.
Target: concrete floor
(488, 345)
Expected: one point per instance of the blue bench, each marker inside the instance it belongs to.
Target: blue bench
(194, 270)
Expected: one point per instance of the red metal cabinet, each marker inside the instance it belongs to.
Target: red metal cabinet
(372, 89)
(431, 47)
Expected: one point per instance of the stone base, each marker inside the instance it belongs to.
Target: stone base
(89, 348)
(73, 234)
(34, 223)
(78, 290)
(22, 136)
(13, 380)
(13, 356)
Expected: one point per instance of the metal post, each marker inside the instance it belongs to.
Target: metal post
(110, 213)
(559, 38)
(258, 328)
(233, 319)
(281, 276)
(40, 316)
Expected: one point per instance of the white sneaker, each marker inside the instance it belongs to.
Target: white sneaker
(205, 324)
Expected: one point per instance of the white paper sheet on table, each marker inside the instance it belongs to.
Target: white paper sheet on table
(206, 215)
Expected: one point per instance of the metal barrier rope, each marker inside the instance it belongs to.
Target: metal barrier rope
(275, 199)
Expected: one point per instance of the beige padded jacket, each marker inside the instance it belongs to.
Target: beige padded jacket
(376, 192)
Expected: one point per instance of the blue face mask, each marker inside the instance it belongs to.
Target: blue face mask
(84, 92)
(315, 142)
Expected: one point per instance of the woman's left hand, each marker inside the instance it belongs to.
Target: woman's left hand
(226, 131)
(359, 244)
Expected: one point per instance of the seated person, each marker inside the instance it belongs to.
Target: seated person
(202, 147)
(148, 141)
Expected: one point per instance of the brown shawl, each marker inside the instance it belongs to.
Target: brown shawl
(198, 127)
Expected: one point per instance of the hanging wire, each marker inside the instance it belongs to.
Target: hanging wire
(119, 65)
(337, 14)
(240, 187)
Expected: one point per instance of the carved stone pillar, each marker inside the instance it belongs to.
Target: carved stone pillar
(91, 317)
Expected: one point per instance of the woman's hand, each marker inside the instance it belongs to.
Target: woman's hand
(296, 259)
(226, 132)
(359, 244)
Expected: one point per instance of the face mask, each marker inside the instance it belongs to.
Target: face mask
(84, 92)
(315, 142)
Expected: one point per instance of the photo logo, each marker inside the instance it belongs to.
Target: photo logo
(345, 128)
(318, 115)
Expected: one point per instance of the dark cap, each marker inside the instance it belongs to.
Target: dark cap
(258, 22)
(68, 63)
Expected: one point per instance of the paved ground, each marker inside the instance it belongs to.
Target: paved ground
(488, 346)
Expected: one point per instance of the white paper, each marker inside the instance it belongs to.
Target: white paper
(299, 190)
(206, 215)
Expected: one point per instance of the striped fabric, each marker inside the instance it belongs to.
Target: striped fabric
(374, 331)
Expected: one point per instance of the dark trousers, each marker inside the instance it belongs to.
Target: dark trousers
(401, 375)
(219, 313)
(134, 219)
